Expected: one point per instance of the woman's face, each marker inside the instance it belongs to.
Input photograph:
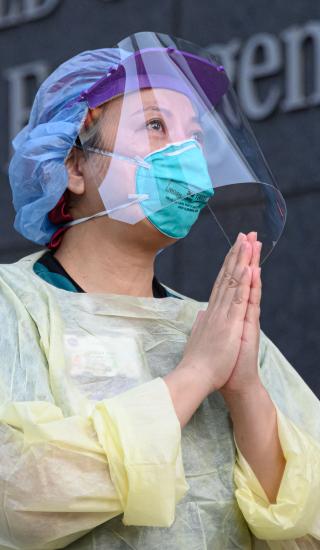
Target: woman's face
(136, 125)
(145, 121)
(132, 126)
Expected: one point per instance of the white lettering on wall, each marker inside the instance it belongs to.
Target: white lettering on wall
(15, 12)
(252, 70)
(18, 81)
(295, 39)
(280, 63)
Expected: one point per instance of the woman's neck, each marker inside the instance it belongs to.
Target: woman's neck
(102, 263)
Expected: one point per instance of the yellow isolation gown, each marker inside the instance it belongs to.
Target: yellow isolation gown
(91, 452)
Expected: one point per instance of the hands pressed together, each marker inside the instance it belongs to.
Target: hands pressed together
(222, 354)
(224, 342)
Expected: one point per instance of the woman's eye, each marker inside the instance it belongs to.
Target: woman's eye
(156, 125)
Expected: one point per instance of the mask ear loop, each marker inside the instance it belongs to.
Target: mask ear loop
(133, 198)
(133, 160)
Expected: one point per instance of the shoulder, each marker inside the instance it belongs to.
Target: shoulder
(287, 389)
(23, 360)
(24, 266)
(19, 283)
(25, 301)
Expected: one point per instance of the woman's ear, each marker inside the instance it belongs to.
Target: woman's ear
(74, 165)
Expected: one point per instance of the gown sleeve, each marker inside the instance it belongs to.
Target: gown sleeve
(294, 520)
(60, 475)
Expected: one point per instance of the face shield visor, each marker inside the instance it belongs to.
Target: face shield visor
(171, 143)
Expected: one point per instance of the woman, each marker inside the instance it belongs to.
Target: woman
(102, 366)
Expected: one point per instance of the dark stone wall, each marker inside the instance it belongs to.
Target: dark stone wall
(289, 140)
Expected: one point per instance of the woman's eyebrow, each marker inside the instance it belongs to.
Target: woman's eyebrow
(163, 110)
(155, 108)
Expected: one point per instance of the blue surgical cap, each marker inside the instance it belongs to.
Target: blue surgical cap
(37, 171)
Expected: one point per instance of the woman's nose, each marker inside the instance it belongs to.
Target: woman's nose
(179, 133)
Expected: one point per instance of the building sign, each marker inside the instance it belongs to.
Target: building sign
(15, 12)
(275, 72)
(270, 72)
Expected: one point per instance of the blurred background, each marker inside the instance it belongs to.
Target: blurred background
(272, 55)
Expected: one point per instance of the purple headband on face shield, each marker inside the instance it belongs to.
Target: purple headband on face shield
(198, 78)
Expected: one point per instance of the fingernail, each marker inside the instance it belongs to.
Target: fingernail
(240, 237)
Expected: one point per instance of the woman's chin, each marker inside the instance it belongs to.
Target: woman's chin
(154, 236)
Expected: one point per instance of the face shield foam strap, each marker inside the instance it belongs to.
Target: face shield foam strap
(156, 67)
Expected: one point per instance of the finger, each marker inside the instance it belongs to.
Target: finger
(252, 237)
(232, 280)
(253, 310)
(234, 253)
(227, 267)
(256, 254)
(239, 304)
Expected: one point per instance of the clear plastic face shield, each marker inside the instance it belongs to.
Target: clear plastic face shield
(172, 143)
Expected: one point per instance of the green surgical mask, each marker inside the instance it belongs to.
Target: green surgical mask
(172, 187)
(177, 178)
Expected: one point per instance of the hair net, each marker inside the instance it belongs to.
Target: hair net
(37, 173)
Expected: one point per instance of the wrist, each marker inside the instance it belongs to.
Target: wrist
(245, 395)
(188, 389)
(198, 376)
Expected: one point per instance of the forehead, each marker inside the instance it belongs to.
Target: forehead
(152, 98)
